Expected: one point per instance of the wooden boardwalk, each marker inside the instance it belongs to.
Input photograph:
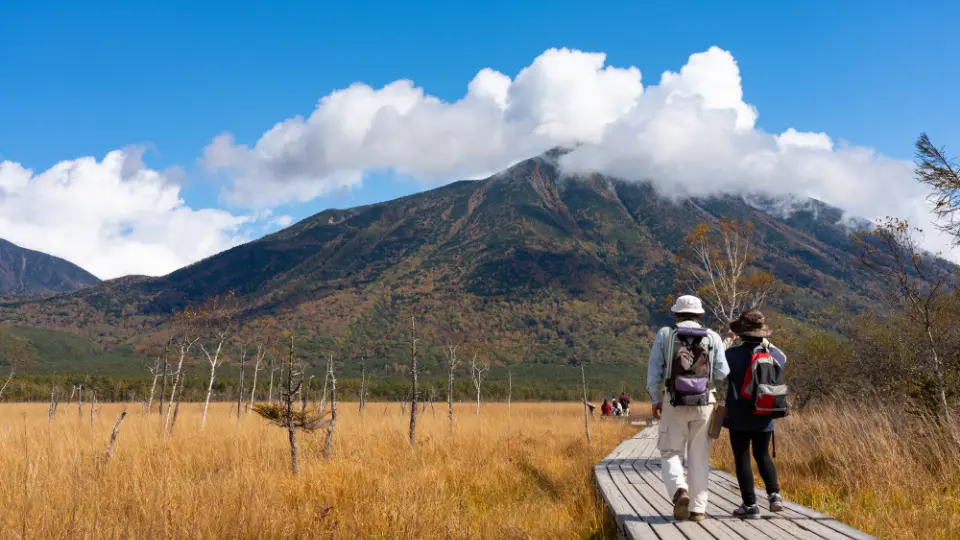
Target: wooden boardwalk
(629, 481)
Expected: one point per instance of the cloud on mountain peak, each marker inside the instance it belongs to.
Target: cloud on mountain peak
(691, 134)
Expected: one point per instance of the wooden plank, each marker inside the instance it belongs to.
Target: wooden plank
(663, 528)
(690, 529)
(615, 500)
(819, 529)
(626, 447)
(639, 530)
(629, 482)
(644, 449)
(775, 527)
(796, 511)
(725, 482)
(649, 472)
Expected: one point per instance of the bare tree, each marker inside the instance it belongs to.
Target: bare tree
(9, 378)
(176, 405)
(114, 434)
(477, 372)
(332, 424)
(243, 358)
(509, 388)
(323, 395)
(166, 370)
(917, 283)
(93, 405)
(53, 400)
(284, 415)
(80, 403)
(942, 175)
(262, 347)
(363, 384)
(720, 268)
(413, 382)
(155, 371)
(452, 363)
(586, 414)
(273, 369)
(216, 318)
(185, 322)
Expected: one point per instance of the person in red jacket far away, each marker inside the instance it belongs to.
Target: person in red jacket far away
(625, 402)
(606, 409)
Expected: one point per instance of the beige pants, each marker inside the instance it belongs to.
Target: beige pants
(684, 431)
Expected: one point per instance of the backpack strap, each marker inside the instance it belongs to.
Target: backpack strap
(667, 347)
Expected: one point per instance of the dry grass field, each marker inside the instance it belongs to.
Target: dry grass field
(880, 470)
(527, 474)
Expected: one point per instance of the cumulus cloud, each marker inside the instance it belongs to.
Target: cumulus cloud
(112, 217)
(691, 134)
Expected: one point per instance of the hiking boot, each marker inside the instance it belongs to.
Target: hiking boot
(747, 512)
(776, 502)
(681, 505)
(697, 516)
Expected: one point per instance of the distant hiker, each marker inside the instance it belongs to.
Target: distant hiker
(625, 402)
(751, 409)
(684, 361)
(606, 409)
(617, 408)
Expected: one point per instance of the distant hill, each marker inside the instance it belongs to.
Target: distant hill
(553, 270)
(28, 272)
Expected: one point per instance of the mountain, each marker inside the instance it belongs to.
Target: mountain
(27, 272)
(548, 270)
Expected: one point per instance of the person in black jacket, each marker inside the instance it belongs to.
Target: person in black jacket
(746, 428)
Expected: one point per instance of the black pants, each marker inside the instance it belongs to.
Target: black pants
(740, 441)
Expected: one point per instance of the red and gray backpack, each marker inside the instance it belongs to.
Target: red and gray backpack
(764, 384)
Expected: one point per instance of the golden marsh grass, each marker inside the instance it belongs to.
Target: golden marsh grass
(526, 474)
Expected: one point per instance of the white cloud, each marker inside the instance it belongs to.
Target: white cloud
(692, 134)
(112, 217)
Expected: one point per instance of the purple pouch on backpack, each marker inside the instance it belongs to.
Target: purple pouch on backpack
(690, 385)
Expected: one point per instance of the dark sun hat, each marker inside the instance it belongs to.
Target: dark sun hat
(751, 324)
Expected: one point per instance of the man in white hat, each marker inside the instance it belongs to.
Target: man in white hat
(684, 362)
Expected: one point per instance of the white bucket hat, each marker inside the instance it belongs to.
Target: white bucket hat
(688, 304)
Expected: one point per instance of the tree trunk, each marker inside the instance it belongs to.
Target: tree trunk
(305, 394)
(363, 386)
(153, 389)
(413, 387)
(938, 369)
(450, 393)
(93, 405)
(294, 452)
(113, 435)
(53, 409)
(177, 380)
(270, 391)
(206, 405)
(509, 389)
(163, 384)
(9, 378)
(586, 415)
(80, 403)
(331, 427)
(326, 382)
(243, 357)
(176, 406)
(253, 389)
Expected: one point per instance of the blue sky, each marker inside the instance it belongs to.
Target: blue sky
(85, 78)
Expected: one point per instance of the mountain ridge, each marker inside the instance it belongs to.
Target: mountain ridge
(579, 265)
(27, 272)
